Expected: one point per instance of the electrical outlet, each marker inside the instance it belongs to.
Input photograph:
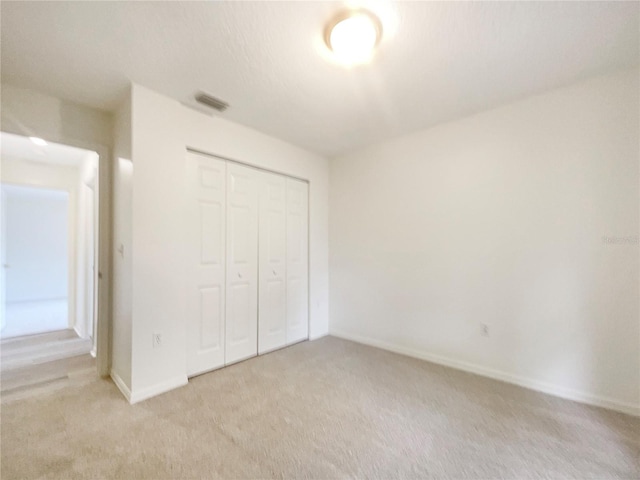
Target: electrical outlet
(484, 329)
(157, 340)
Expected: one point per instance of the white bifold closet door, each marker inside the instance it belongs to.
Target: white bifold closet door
(205, 224)
(247, 262)
(272, 297)
(242, 263)
(297, 260)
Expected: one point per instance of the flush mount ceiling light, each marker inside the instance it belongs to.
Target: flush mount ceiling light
(38, 141)
(353, 35)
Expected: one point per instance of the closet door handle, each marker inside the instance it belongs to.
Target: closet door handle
(274, 273)
(239, 275)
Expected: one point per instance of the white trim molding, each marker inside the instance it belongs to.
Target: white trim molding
(531, 384)
(121, 385)
(319, 336)
(148, 392)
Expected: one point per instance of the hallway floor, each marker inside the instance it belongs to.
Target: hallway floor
(36, 364)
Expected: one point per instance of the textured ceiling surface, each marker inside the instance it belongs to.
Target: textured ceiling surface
(437, 61)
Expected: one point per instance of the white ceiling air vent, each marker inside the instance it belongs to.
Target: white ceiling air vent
(212, 102)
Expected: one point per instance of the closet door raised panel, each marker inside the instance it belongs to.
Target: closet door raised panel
(297, 261)
(272, 294)
(242, 263)
(205, 224)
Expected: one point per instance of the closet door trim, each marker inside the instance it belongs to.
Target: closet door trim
(244, 164)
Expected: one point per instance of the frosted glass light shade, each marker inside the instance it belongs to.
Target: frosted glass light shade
(353, 36)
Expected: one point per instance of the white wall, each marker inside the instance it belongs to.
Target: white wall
(30, 113)
(36, 241)
(499, 219)
(162, 130)
(37, 244)
(122, 243)
(16, 171)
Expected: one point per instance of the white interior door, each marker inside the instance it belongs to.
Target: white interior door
(205, 220)
(272, 293)
(297, 260)
(242, 263)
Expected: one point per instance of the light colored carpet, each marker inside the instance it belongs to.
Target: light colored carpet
(323, 409)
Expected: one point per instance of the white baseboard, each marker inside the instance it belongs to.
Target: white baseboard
(163, 387)
(544, 387)
(146, 393)
(316, 337)
(121, 385)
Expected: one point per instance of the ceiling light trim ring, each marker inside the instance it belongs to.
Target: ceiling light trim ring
(349, 13)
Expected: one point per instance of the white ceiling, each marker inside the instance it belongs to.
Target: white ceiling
(17, 146)
(437, 61)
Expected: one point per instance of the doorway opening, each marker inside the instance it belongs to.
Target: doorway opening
(48, 292)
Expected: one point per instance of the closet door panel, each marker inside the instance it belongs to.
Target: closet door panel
(205, 231)
(297, 260)
(272, 321)
(242, 263)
